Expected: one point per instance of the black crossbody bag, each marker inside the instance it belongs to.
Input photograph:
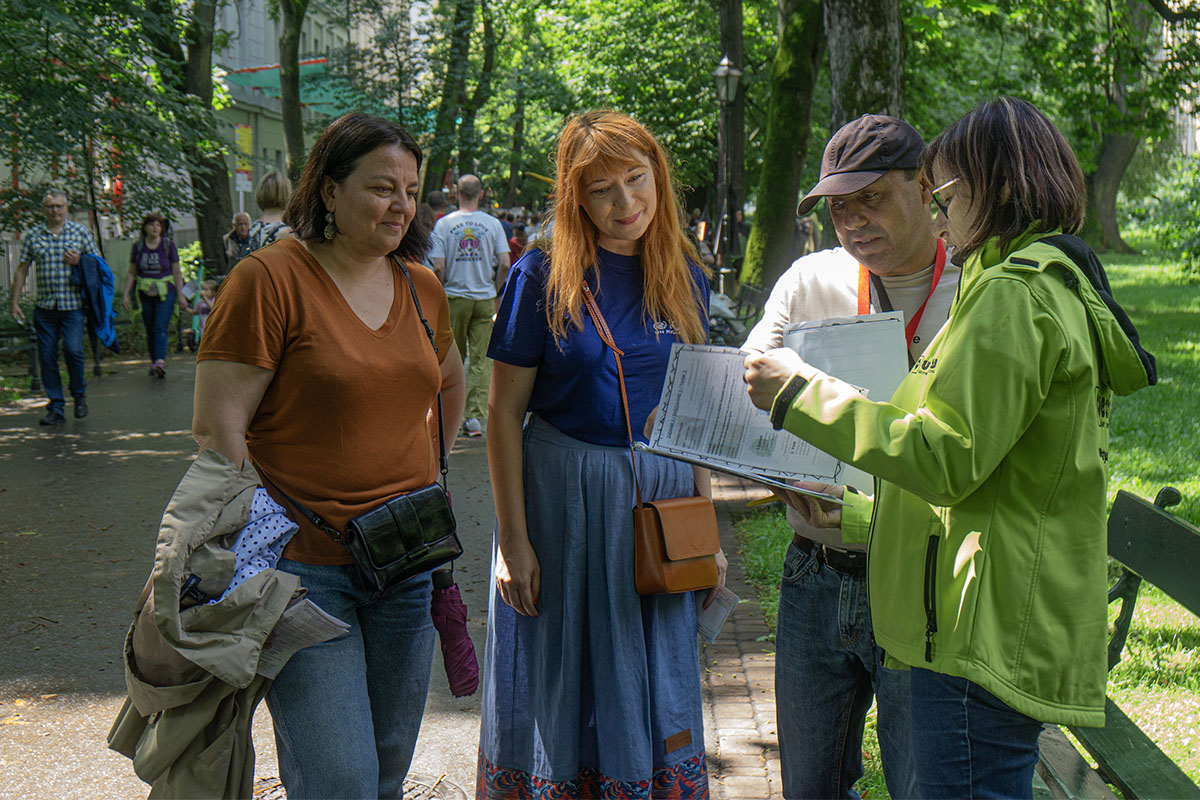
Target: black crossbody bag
(409, 534)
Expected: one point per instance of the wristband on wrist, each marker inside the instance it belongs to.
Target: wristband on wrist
(783, 401)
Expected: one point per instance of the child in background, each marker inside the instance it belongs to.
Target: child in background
(204, 301)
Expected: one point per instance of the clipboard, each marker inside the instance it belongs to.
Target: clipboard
(750, 476)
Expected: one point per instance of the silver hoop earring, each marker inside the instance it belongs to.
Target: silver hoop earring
(330, 228)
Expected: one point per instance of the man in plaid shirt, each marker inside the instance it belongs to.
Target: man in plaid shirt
(54, 250)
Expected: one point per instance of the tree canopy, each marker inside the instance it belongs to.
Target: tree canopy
(96, 89)
(87, 108)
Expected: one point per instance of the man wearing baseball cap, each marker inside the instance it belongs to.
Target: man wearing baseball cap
(827, 666)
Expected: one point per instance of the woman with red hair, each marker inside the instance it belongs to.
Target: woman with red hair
(590, 689)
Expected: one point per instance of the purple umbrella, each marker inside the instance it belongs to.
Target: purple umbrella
(449, 615)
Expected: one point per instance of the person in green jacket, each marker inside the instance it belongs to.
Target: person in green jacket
(986, 534)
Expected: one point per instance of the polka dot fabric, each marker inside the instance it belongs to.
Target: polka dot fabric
(261, 542)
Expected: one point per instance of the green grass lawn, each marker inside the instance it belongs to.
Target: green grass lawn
(1155, 442)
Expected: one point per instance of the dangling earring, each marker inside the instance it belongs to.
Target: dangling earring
(330, 228)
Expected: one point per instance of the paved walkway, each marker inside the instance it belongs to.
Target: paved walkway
(739, 676)
(79, 508)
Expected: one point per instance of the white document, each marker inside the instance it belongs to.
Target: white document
(705, 415)
(869, 352)
(302, 625)
(709, 621)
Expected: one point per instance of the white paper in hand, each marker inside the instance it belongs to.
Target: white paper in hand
(709, 621)
(302, 625)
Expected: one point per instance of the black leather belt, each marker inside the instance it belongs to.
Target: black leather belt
(849, 562)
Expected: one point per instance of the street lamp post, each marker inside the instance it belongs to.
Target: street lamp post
(726, 77)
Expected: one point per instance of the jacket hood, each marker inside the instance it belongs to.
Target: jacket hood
(1126, 366)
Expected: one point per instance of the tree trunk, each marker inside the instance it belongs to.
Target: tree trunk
(1100, 227)
(1119, 142)
(518, 145)
(793, 75)
(731, 45)
(866, 58)
(467, 146)
(452, 93)
(210, 183)
(292, 14)
(208, 172)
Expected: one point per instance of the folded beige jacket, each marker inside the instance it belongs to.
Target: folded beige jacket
(190, 666)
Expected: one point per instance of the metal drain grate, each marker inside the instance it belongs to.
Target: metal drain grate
(417, 786)
(269, 789)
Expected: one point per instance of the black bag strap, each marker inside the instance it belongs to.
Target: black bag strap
(315, 519)
(429, 332)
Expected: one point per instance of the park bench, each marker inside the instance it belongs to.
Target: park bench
(750, 302)
(732, 323)
(1154, 545)
(14, 339)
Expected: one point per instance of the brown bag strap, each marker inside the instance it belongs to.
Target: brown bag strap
(606, 336)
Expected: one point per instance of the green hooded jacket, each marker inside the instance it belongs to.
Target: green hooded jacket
(986, 537)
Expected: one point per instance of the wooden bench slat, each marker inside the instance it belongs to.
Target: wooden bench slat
(1157, 545)
(1064, 772)
(1130, 760)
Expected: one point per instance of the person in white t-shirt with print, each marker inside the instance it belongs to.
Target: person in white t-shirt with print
(470, 254)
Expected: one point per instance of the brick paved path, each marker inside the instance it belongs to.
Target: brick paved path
(740, 676)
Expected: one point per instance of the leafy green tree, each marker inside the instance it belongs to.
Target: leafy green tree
(80, 112)
(793, 78)
(652, 60)
(1172, 214)
(517, 126)
(291, 14)
(380, 77)
(460, 16)
(1109, 73)
(468, 139)
(181, 38)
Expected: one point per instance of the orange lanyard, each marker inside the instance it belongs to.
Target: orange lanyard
(864, 292)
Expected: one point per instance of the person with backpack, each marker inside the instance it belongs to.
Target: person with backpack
(154, 268)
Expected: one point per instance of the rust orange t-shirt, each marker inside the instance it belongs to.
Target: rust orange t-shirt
(342, 425)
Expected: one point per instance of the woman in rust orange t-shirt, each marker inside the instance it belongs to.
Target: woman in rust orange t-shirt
(316, 365)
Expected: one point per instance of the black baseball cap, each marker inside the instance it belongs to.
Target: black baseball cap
(862, 152)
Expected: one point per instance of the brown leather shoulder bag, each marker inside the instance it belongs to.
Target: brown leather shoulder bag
(676, 539)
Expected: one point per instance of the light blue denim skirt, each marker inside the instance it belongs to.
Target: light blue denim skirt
(599, 695)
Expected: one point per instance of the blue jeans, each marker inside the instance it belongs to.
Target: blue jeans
(51, 325)
(967, 742)
(827, 667)
(156, 316)
(347, 711)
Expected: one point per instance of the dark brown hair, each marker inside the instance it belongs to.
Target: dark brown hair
(335, 156)
(1020, 172)
(153, 216)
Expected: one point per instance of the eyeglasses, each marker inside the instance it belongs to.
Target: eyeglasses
(943, 205)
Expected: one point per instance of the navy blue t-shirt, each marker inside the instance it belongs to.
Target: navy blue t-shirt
(576, 387)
